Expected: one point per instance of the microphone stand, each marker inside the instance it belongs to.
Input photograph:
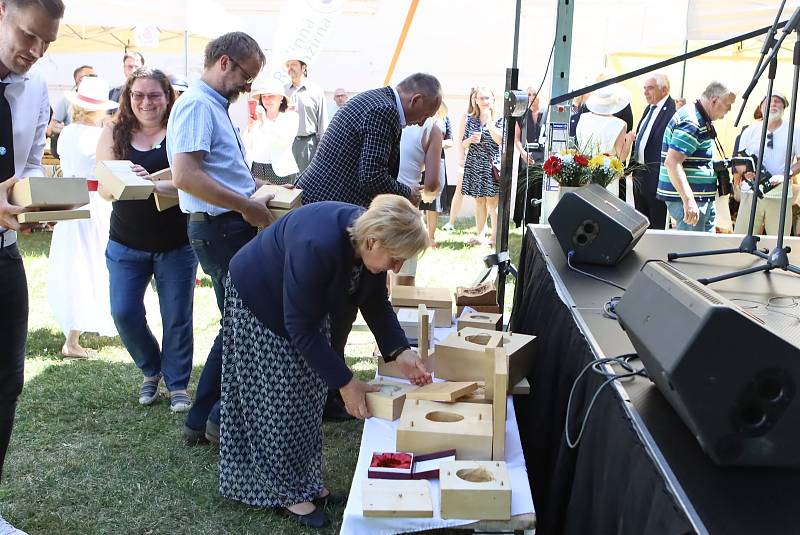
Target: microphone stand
(778, 258)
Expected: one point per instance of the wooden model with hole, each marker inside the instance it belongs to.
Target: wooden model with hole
(480, 320)
(387, 403)
(429, 426)
(462, 356)
(475, 490)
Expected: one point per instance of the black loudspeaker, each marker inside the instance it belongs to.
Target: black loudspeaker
(732, 377)
(596, 226)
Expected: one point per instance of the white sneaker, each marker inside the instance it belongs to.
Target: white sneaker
(448, 227)
(8, 529)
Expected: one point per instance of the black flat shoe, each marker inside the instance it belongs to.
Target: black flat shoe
(315, 519)
(331, 499)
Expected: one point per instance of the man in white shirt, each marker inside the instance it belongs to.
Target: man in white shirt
(27, 27)
(768, 207)
(308, 100)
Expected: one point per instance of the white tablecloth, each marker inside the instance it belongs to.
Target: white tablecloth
(379, 435)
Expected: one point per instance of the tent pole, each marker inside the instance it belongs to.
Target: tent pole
(683, 73)
(186, 53)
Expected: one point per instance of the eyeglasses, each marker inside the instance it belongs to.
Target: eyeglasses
(136, 96)
(769, 140)
(249, 77)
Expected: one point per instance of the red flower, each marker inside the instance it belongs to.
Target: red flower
(581, 160)
(552, 166)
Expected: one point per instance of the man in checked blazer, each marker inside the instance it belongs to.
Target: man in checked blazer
(359, 155)
(358, 159)
(647, 149)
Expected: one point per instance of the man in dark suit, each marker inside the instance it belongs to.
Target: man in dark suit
(359, 155)
(358, 159)
(647, 149)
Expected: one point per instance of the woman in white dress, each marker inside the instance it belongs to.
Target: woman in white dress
(77, 281)
(270, 134)
(599, 132)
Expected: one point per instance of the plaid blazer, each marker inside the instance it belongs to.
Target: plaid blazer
(359, 154)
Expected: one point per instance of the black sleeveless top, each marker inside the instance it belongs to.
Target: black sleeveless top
(139, 224)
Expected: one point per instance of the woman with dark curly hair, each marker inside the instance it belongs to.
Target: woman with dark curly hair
(145, 243)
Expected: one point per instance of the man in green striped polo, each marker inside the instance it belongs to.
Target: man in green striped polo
(686, 182)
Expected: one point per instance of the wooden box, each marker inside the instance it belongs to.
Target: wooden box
(475, 490)
(523, 388)
(461, 356)
(500, 380)
(50, 193)
(428, 426)
(123, 184)
(54, 215)
(393, 498)
(285, 198)
(480, 320)
(388, 402)
(163, 202)
(437, 300)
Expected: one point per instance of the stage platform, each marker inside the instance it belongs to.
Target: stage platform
(637, 469)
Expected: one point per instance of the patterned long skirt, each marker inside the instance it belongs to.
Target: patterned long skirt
(271, 417)
(264, 171)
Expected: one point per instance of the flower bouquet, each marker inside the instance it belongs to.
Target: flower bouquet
(604, 169)
(569, 167)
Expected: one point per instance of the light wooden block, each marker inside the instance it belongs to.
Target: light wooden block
(284, 198)
(396, 498)
(413, 296)
(480, 320)
(500, 380)
(388, 402)
(446, 391)
(488, 366)
(163, 202)
(461, 356)
(424, 328)
(50, 193)
(475, 490)
(121, 182)
(429, 426)
(523, 388)
(55, 215)
(442, 317)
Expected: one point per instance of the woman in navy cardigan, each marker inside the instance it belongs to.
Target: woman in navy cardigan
(277, 360)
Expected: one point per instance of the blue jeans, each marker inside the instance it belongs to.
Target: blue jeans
(215, 241)
(708, 214)
(129, 273)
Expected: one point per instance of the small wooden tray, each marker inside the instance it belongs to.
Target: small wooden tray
(396, 498)
(53, 215)
(446, 391)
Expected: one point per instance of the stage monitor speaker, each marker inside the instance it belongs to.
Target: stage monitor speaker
(731, 376)
(596, 225)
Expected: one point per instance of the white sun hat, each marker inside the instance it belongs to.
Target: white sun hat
(92, 95)
(609, 100)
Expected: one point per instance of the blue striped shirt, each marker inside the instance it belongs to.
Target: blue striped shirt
(199, 121)
(687, 133)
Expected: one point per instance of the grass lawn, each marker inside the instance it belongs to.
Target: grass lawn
(85, 458)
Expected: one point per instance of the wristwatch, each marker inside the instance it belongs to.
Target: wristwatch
(392, 356)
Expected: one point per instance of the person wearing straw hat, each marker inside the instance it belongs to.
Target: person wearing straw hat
(269, 137)
(77, 278)
(309, 102)
(599, 131)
